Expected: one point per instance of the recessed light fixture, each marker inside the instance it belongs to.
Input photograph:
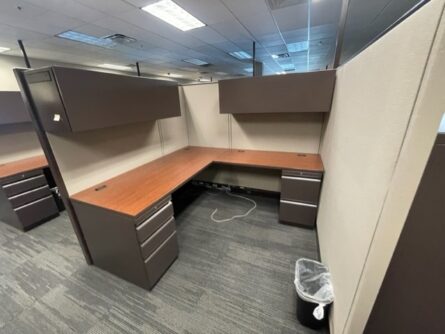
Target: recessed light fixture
(240, 55)
(4, 49)
(173, 14)
(298, 46)
(116, 67)
(195, 61)
(88, 39)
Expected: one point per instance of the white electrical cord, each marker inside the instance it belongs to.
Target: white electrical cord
(235, 216)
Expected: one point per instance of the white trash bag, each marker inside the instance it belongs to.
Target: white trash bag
(313, 284)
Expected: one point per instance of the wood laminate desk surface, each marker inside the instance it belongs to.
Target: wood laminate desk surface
(134, 191)
(24, 165)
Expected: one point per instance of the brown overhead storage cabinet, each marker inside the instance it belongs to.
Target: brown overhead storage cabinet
(298, 92)
(75, 100)
(12, 109)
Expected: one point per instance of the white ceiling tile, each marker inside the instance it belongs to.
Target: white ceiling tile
(70, 8)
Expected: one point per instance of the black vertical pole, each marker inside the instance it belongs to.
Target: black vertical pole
(22, 47)
(138, 69)
(253, 58)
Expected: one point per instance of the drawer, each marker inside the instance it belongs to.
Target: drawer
(161, 259)
(149, 226)
(152, 210)
(157, 238)
(37, 211)
(302, 173)
(29, 196)
(300, 189)
(19, 187)
(21, 176)
(297, 213)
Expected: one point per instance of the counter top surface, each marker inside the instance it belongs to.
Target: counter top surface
(132, 192)
(24, 165)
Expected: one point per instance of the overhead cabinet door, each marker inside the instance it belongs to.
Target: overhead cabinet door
(75, 100)
(298, 92)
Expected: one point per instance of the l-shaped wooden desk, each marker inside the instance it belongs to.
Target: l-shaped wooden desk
(128, 222)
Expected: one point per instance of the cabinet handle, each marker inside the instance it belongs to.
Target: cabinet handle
(153, 216)
(300, 178)
(298, 203)
(22, 181)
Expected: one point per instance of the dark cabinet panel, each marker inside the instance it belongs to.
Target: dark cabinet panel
(12, 109)
(299, 92)
(75, 100)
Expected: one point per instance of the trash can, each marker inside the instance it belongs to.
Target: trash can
(314, 293)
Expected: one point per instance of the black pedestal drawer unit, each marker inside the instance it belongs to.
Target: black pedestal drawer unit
(26, 200)
(300, 192)
(138, 249)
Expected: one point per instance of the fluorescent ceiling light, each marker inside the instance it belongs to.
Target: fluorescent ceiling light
(275, 56)
(248, 69)
(88, 39)
(173, 14)
(204, 80)
(195, 61)
(298, 46)
(240, 55)
(116, 67)
(4, 49)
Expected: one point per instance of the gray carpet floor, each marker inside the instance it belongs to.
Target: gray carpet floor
(234, 277)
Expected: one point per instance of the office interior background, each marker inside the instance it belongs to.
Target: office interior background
(114, 113)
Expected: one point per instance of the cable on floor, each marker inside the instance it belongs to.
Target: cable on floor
(235, 216)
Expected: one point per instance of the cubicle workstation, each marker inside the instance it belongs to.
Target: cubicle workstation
(27, 194)
(127, 221)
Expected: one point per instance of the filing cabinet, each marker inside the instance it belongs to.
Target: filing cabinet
(138, 248)
(300, 192)
(26, 200)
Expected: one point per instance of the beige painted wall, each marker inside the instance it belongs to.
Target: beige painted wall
(374, 98)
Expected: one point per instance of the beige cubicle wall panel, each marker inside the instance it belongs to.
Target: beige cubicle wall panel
(296, 132)
(18, 141)
(374, 97)
(91, 157)
(416, 148)
(173, 130)
(205, 125)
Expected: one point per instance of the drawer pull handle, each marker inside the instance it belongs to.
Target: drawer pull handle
(300, 178)
(298, 203)
(32, 203)
(153, 216)
(22, 181)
